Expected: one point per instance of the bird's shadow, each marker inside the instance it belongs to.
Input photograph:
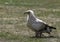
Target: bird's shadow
(46, 37)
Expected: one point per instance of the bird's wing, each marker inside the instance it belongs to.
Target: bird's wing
(38, 20)
(38, 24)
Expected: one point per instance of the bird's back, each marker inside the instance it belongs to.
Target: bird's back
(35, 24)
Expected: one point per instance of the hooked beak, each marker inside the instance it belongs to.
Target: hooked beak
(25, 12)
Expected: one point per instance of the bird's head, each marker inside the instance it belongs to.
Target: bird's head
(29, 12)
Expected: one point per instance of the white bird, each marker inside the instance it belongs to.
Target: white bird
(36, 24)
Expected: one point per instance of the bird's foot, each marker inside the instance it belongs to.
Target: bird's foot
(38, 36)
(51, 36)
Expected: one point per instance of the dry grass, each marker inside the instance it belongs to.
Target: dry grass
(13, 22)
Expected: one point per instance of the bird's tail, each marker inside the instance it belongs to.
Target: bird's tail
(51, 27)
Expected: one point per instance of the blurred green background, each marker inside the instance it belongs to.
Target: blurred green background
(13, 22)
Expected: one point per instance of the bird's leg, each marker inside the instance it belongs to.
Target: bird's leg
(37, 34)
(40, 34)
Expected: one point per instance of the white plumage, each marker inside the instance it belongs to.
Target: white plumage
(34, 23)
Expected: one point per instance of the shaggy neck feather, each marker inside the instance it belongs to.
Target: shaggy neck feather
(31, 17)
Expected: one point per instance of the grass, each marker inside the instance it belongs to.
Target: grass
(13, 22)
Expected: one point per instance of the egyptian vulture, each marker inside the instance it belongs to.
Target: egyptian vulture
(36, 24)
